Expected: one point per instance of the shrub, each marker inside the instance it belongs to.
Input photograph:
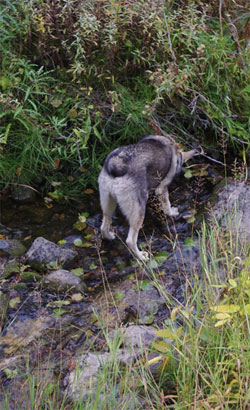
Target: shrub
(80, 77)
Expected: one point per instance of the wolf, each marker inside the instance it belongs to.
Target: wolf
(130, 173)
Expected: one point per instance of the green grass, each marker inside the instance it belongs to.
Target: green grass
(207, 363)
(210, 355)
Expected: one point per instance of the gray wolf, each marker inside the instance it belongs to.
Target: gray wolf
(130, 173)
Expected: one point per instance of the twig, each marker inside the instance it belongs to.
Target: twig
(157, 127)
(202, 97)
(194, 103)
(179, 129)
(220, 14)
(233, 31)
(169, 39)
(213, 160)
(25, 186)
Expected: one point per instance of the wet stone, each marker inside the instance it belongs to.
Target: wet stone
(42, 252)
(233, 209)
(146, 301)
(136, 305)
(137, 336)
(12, 247)
(63, 280)
(23, 194)
(82, 382)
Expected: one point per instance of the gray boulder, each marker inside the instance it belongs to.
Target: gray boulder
(82, 382)
(232, 209)
(63, 280)
(42, 252)
(137, 336)
(145, 304)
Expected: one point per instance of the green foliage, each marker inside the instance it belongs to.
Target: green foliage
(77, 78)
(235, 305)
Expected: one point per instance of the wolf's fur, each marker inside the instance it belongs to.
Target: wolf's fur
(130, 173)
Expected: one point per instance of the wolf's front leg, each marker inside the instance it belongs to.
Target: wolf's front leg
(165, 204)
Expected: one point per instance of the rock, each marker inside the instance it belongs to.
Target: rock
(63, 280)
(232, 209)
(23, 193)
(135, 305)
(136, 336)
(82, 382)
(10, 267)
(12, 247)
(145, 304)
(42, 252)
(24, 332)
(27, 276)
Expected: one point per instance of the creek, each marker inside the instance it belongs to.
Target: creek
(46, 327)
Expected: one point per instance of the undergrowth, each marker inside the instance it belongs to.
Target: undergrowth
(79, 78)
(202, 350)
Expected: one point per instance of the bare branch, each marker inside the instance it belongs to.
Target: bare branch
(169, 39)
(233, 31)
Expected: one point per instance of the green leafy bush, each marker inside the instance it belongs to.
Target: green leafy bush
(77, 78)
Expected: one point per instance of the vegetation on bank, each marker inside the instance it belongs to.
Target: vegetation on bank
(77, 78)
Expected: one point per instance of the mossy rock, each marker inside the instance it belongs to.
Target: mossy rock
(10, 267)
(18, 286)
(12, 247)
(30, 277)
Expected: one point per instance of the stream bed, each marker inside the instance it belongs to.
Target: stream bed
(43, 330)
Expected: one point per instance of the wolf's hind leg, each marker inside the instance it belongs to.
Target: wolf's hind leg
(108, 204)
(131, 241)
(135, 219)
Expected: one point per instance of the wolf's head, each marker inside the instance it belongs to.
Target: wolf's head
(186, 155)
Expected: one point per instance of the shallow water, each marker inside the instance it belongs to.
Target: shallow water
(109, 270)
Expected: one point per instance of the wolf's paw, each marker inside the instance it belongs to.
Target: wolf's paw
(143, 256)
(173, 212)
(108, 235)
